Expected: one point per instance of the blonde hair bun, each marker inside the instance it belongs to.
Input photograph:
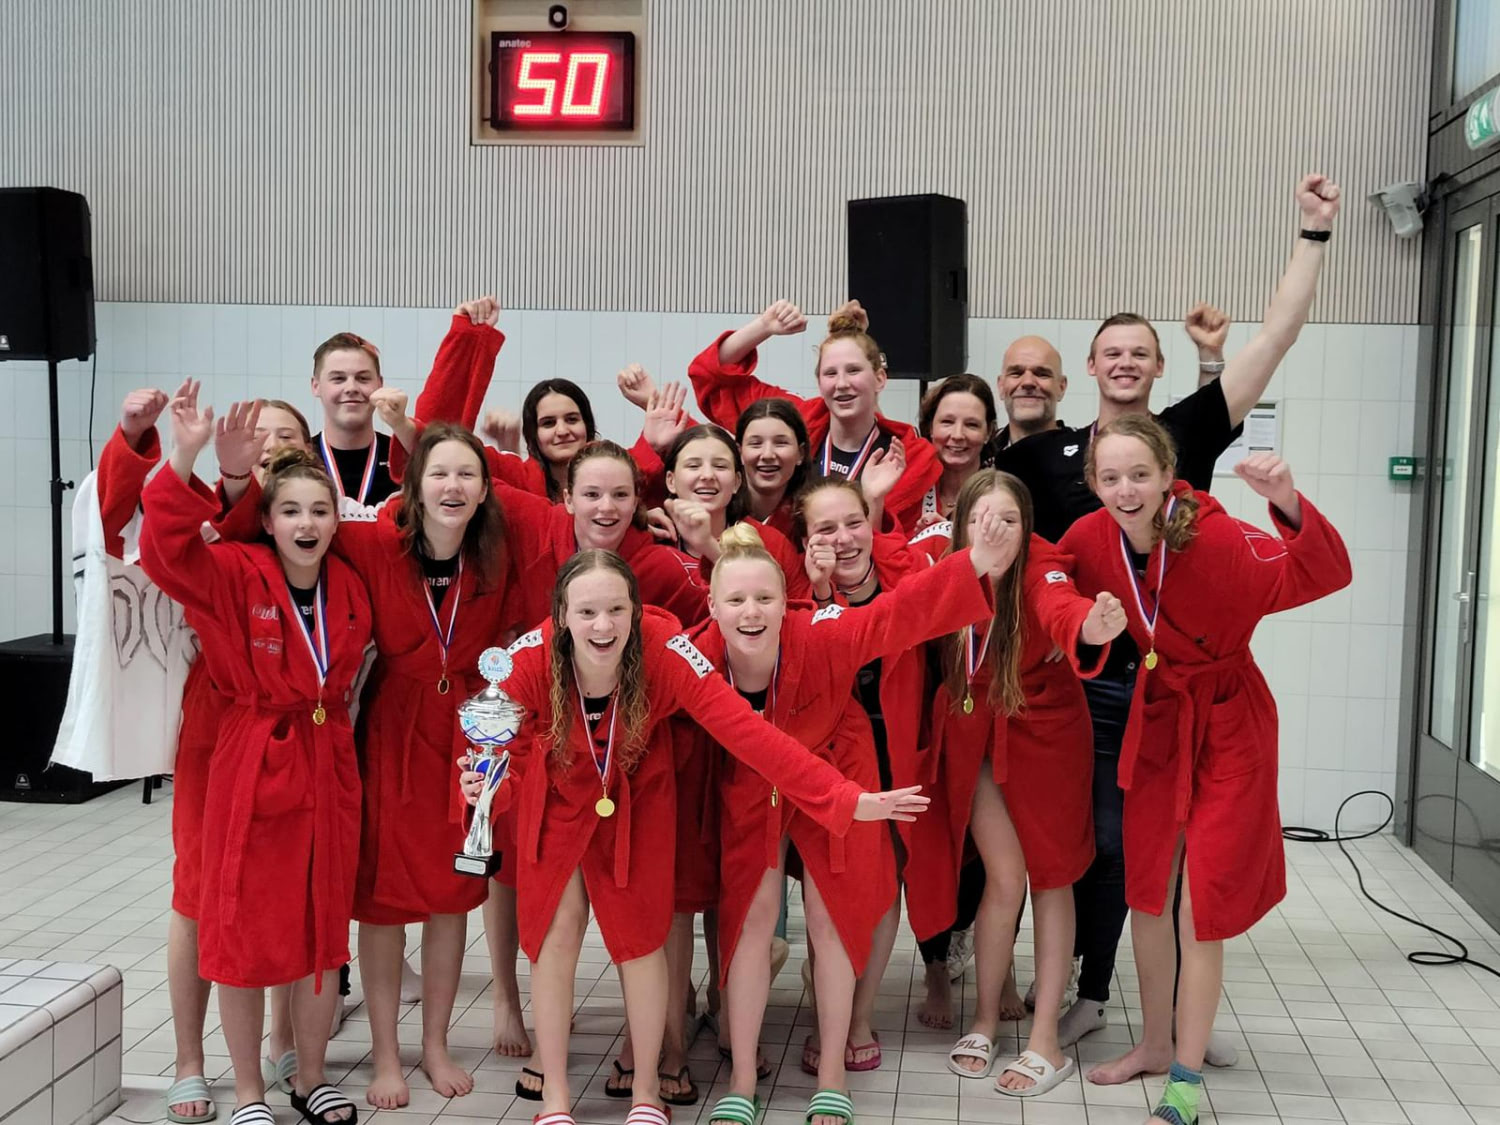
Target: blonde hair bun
(741, 537)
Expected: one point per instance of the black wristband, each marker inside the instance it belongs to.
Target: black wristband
(1315, 235)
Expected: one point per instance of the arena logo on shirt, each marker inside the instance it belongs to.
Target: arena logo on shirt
(526, 640)
(1056, 576)
(942, 527)
(828, 613)
(689, 652)
(1070, 450)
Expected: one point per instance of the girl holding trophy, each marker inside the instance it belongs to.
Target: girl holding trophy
(283, 630)
(592, 782)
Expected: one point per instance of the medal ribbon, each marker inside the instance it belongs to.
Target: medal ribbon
(317, 644)
(609, 750)
(366, 478)
(860, 458)
(972, 658)
(1161, 576)
(445, 638)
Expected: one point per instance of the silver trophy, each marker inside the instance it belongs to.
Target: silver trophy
(489, 721)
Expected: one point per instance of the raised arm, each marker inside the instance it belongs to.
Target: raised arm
(1246, 376)
(723, 374)
(1308, 562)
(1080, 628)
(126, 460)
(1208, 328)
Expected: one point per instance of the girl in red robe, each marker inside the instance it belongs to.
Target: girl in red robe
(592, 780)
(846, 429)
(436, 563)
(283, 630)
(1011, 758)
(849, 564)
(1198, 765)
(798, 667)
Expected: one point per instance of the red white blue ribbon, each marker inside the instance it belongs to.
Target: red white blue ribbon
(1149, 620)
(366, 479)
(860, 458)
(445, 637)
(316, 634)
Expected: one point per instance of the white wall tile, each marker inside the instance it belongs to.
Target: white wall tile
(73, 1094)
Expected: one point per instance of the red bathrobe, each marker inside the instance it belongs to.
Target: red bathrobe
(281, 815)
(724, 390)
(121, 475)
(1200, 750)
(409, 732)
(1042, 758)
(812, 700)
(626, 859)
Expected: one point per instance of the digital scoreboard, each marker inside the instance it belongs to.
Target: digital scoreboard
(562, 81)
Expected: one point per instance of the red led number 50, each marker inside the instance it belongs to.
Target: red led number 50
(534, 76)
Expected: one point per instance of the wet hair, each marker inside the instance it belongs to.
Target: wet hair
(956, 384)
(1179, 531)
(1007, 629)
(742, 543)
(781, 410)
(529, 409)
(844, 324)
(341, 342)
(290, 464)
(282, 404)
(739, 503)
(604, 448)
(1126, 320)
(821, 484)
(630, 699)
(484, 538)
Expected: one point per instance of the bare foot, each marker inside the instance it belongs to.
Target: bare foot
(936, 1010)
(511, 1040)
(388, 1091)
(446, 1076)
(1011, 1080)
(1012, 1007)
(1132, 1064)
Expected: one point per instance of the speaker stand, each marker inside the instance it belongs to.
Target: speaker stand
(59, 486)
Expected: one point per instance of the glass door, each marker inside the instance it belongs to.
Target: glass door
(1456, 796)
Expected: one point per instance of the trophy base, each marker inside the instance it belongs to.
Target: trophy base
(479, 866)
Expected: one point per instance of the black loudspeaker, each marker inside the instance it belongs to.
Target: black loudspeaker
(33, 692)
(46, 275)
(909, 268)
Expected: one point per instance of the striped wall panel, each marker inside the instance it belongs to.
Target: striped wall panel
(1134, 153)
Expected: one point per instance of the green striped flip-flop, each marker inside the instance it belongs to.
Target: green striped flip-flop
(733, 1107)
(831, 1103)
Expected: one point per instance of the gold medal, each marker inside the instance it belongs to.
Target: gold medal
(968, 704)
(443, 686)
(775, 794)
(320, 716)
(604, 807)
(1151, 660)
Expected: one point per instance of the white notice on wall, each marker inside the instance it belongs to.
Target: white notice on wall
(1262, 434)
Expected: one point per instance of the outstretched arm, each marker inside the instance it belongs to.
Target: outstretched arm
(1247, 374)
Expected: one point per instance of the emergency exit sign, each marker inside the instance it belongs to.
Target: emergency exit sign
(1482, 123)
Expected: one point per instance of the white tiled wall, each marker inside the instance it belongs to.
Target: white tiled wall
(1346, 393)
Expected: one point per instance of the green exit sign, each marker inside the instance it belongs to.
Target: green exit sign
(1482, 123)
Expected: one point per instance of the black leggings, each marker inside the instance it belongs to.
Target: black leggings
(970, 890)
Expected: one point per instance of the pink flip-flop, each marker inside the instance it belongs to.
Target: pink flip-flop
(871, 1063)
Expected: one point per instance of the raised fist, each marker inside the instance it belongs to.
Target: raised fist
(141, 409)
(1207, 326)
(782, 318)
(481, 310)
(1318, 196)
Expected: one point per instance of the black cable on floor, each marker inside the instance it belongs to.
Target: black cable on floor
(1318, 836)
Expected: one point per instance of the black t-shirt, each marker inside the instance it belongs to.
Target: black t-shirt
(840, 461)
(303, 600)
(594, 708)
(756, 699)
(351, 469)
(1001, 441)
(1051, 464)
(439, 575)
